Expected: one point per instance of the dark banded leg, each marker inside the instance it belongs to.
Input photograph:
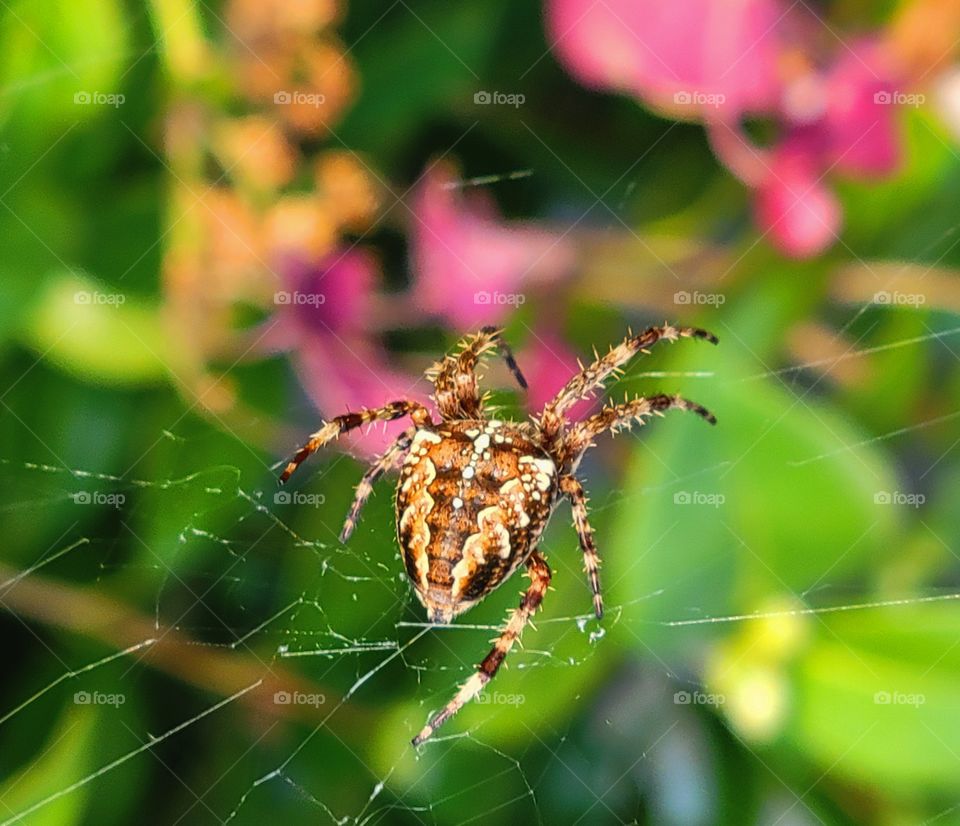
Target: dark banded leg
(616, 417)
(350, 421)
(506, 353)
(591, 562)
(386, 462)
(539, 573)
(592, 377)
(456, 388)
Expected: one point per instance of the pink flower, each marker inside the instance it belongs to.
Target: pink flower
(333, 296)
(689, 57)
(325, 316)
(716, 60)
(324, 313)
(469, 266)
(798, 212)
(548, 364)
(858, 128)
(845, 125)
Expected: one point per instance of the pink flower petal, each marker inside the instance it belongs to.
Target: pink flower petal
(340, 376)
(698, 58)
(334, 294)
(323, 312)
(470, 267)
(800, 214)
(549, 363)
(860, 123)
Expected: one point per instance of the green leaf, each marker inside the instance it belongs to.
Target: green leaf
(65, 760)
(870, 694)
(99, 333)
(53, 54)
(770, 500)
(877, 717)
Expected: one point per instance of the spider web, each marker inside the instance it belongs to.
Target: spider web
(176, 650)
(304, 629)
(213, 587)
(239, 533)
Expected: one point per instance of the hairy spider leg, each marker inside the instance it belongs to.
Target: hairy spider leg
(574, 491)
(455, 380)
(593, 376)
(539, 573)
(350, 421)
(388, 461)
(616, 417)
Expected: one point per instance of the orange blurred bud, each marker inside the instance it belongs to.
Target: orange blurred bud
(350, 190)
(255, 152)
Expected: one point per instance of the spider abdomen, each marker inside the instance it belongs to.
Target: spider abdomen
(472, 500)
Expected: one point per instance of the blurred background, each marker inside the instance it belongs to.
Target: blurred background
(222, 222)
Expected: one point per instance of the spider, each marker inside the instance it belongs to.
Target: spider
(475, 494)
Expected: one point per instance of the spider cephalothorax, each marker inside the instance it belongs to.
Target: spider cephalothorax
(475, 494)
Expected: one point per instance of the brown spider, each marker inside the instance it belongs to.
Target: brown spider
(475, 494)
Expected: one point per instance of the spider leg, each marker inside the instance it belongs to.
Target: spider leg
(365, 487)
(593, 376)
(618, 416)
(574, 491)
(350, 421)
(457, 390)
(539, 573)
(506, 353)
